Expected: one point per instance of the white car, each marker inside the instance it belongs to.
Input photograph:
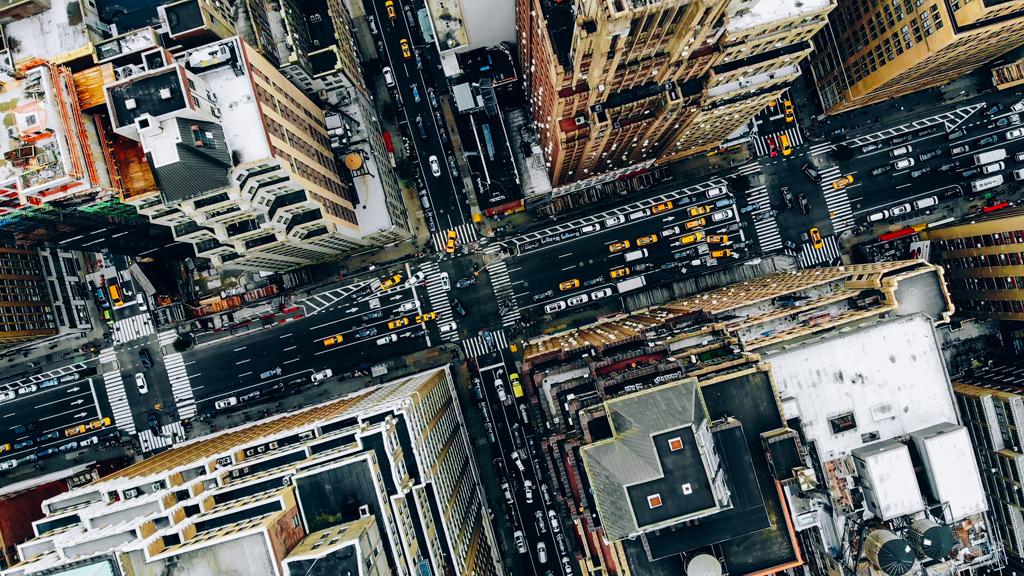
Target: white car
(140, 299)
(415, 279)
(554, 521)
(554, 307)
(446, 285)
(322, 375)
(389, 77)
(578, 300)
(901, 209)
(721, 215)
(28, 389)
(1018, 107)
(449, 327)
(878, 216)
(602, 293)
(8, 464)
(1015, 133)
(903, 164)
(528, 490)
(614, 221)
(222, 404)
(89, 441)
(407, 306)
(435, 166)
(595, 227)
(8, 395)
(390, 338)
(140, 382)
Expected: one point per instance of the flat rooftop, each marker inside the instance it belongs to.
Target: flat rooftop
(145, 95)
(767, 11)
(889, 376)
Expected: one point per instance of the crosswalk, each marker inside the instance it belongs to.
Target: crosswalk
(793, 133)
(464, 234)
(811, 256)
(181, 387)
(502, 286)
(121, 411)
(323, 300)
(837, 201)
(132, 328)
(477, 345)
(171, 432)
(767, 230)
(822, 148)
(438, 298)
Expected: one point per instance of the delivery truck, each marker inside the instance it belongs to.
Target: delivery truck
(989, 157)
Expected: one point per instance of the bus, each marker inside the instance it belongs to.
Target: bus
(115, 295)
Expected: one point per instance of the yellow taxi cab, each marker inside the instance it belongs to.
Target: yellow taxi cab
(789, 111)
(699, 222)
(695, 237)
(662, 207)
(569, 285)
(645, 240)
(398, 323)
(405, 49)
(333, 340)
(698, 210)
(426, 316)
(718, 239)
(721, 253)
(5, 447)
(784, 143)
(517, 389)
(619, 272)
(390, 6)
(390, 282)
(619, 246)
(816, 238)
(75, 430)
(843, 182)
(101, 423)
(449, 246)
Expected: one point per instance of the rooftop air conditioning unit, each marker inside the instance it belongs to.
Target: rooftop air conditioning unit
(364, 510)
(127, 71)
(130, 104)
(165, 93)
(581, 120)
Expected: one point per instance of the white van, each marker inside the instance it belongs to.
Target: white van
(926, 202)
(878, 216)
(993, 167)
(896, 152)
(1018, 174)
(635, 255)
(639, 214)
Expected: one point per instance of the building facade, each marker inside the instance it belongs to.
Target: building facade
(396, 456)
(616, 86)
(873, 52)
(26, 307)
(981, 258)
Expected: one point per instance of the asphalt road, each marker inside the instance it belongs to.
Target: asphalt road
(448, 200)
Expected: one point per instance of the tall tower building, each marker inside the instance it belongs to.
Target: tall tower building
(617, 85)
(980, 258)
(870, 53)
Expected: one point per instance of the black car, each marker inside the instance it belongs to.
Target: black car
(364, 291)
(671, 265)
(927, 131)
(920, 172)
(990, 140)
(296, 382)
(958, 133)
(371, 315)
(570, 234)
(464, 282)
(994, 110)
(543, 295)
(505, 308)
(154, 421)
(526, 247)
(48, 436)
(458, 307)
(25, 428)
(881, 170)
(812, 173)
(787, 196)
(901, 139)
(276, 388)
(805, 206)
(949, 166)
(369, 332)
(643, 267)
(591, 282)
(929, 155)
(112, 436)
(250, 396)
(870, 147)
(144, 356)
(971, 173)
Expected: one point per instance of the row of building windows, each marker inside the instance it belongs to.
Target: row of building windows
(992, 306)
(984, 261)
(969, 242)
(988, 283)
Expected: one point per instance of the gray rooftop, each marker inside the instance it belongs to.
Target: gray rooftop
(633, 457)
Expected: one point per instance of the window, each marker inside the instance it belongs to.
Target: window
(675, 444)
(654, 500)
(295, 520)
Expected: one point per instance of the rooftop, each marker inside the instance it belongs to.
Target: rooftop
(767, 11)
(561, 24)
(157, 94)
(889, 376)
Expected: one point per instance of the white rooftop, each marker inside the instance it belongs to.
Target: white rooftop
(890, 376)
(951, 469)
(46, 35)
(767, 11)
(887, 475)
(240, 114)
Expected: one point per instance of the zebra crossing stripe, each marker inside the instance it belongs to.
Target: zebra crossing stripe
(812, 256)
(121, 411)
(150, 442)
(438, 297)
(477, 345)
(464, 234)
(181, 387)
(501, 284)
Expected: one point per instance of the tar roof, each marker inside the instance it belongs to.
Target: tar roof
(638, 455)
(144, 92)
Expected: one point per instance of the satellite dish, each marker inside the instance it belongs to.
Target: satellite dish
(353, 161)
